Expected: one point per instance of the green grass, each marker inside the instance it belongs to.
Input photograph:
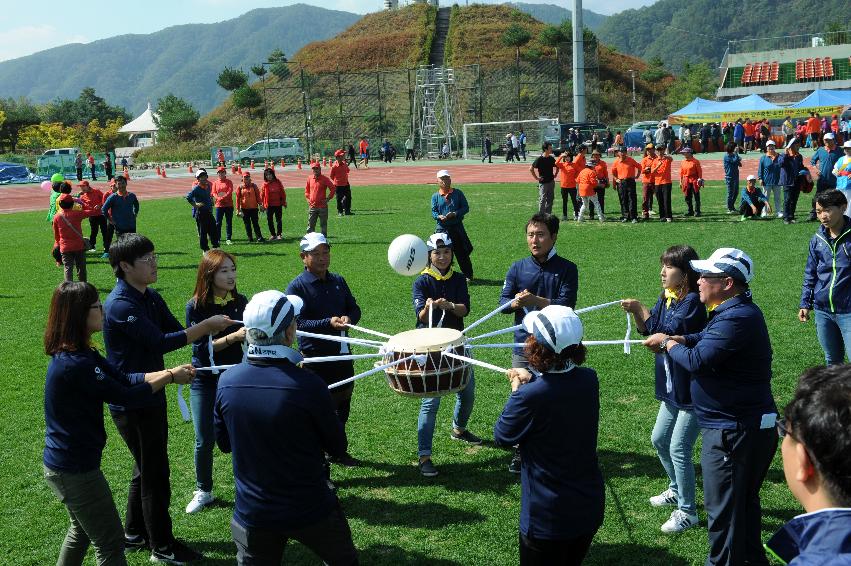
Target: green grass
(469, 513)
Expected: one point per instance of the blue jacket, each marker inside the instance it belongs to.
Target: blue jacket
(731, 363)
(826, 160)
(827, 275)
(732, 162)
(201, 347)
(789, 168)
(123, 211)
(198, 194)
(453, 202)
(557, 279)
(738, 131)
(683, 317)
(769, 170)
(749, 198)
(278, 420)
(820, 538)
(453, 289)
(555, 419)
(77, 386)
(323, 299)
(138, 329)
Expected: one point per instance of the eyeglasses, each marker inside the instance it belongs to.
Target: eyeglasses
(150, 260)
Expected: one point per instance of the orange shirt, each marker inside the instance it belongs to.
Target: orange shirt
(579, 162)
(339, 173)
(625, 168)
(662, 170)
(314, 191)
(363, 146)
(646, 163)
(222, 193)
(749, 128)
(601, 170)
(567, 175)
(273, 194)
(813, 125)
(690, 170)
(587, 181)
(93, 198)
(247, 197)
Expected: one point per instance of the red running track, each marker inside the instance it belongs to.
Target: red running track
(20, 198)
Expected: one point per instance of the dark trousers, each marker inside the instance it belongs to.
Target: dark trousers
(790, 202)
(569, 193)
(74, 260)
(704, 144)
(79, 174)
(745, 209)
(628, 198)
(344, 199)
(541, 552)
(227, 213)
(487, 155)
(332, 372)
(821, 186)
(663, 197)
(330, 539)
(92, 169)
(108, 171)
(409, 154)
(647, 192)
(108, 234)
(691, 193)
(145, 431)
(98, 223)
(601, 198)
(206, 229)
(274, 215)
(250, 217)
(734, 464)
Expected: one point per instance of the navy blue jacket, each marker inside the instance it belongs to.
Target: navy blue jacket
(557, 279)
(731, 364)
(769, 170)
(554, 418)
(123, 211)
(77, 386)
(453, 289)
(198, 194)
(279, 421)
(826, 160)
(138, 329)
(323, 299)
(820, 538)
(201, 347)
(827, 276)
(732, 162)
(789, 168)
(684, 317)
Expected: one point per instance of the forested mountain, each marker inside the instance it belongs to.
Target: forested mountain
(552, 14)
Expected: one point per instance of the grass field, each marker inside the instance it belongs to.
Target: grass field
(469, 513)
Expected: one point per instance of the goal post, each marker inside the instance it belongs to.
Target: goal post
(537, 131)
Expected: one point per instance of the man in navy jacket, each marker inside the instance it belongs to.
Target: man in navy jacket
(730, 361)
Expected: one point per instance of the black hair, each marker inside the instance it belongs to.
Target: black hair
(270, 171)
(819, 416)
(66, 204)
(65, 188)
(545, 145)
(731, 147)
(548, 220)
(680, 256)
(129, 248)
(831, 198)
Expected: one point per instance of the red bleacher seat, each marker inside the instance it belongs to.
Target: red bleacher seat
(799, 69)
(765, 71)
(818, 69)
(828, 67)
(808, 68)
(746, 75)
(757, 69)
(774, 76)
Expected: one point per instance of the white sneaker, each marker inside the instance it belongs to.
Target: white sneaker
(665, 499)
(200, 499)
(679, 522)
(228, 242)
(779, 215)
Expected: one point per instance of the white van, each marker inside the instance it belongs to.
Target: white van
(288, 149)
(72, 151)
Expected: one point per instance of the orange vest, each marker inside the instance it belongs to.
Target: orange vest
(587, 182)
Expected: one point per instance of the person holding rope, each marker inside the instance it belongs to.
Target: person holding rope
(441, 299)
(532, 283)
(329, 308)
(563, 495)
(678, 310)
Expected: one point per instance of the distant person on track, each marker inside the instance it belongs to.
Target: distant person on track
(352, 160)
(222, 194)
(274, 199)
(543, 169)
(91, 161)
(363, 146)
(107, 166)
(487, 146)
(202, 211)
(78, 165)
(317, 198)
(409, 149)
(340, 176)
(732, 164)
(248, 203)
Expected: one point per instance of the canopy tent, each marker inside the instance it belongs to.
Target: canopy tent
(142, 130)
(702, 110)
(825, 97)
(17, 173)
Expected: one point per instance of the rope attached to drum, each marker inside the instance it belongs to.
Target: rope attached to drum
(376, 369)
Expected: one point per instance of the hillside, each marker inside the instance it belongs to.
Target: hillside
(680, 32)
(552, 14)
(130, 70)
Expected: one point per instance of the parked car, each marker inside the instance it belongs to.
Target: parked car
(72, 151)
(288, 149)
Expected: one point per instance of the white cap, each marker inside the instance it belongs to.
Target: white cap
(434, 241)
(751, 177)
(271, 311)
(847, 145)
(829, 136)
(200, 172)
(792, 141)
(770, 142)
(729, 261)
(554, 326)
(311, 240)
(443, 173)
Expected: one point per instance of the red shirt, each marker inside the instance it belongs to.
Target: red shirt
(70, 238)
(749, 128)
(601, 171)
(247, 197)
(91, 161)
(222, 193)
(364, 147)
(579, 162)
(813, 125)
(662, 170)
(273, 194)
(568, 174)
(339, 173)
(314, 191)
(92, 199)
(625, 168)
(690, 170)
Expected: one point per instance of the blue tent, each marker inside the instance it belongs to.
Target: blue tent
(825, 97)
(17, 173)
(745, 104)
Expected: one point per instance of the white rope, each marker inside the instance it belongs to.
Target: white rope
(610, 342)
(669, 382)
(215, 368)
(368, 331)
(496, 332)
(626, 347)
(320, 359)
(491, 314)
(346, 339)
(430, 310)
(596, 307)
(510, 345)
(474, 361)
(376, 369)
(181, 404)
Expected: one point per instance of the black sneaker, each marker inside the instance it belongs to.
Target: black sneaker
(175, 553)
(514, 466)
(466, 436)
(427, 469)
(133, 543)
(346, 460)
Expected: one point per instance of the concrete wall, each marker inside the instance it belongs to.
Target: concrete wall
(778, 89)
(789, 55)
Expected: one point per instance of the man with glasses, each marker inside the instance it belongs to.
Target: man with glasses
(731, 390)
(138, 329)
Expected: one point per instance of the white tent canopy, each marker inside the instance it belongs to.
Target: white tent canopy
(142, 130)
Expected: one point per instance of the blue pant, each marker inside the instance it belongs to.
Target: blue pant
(428, 414)
(673, 437)
(732, 191)
(227, 212)
(202, 398)
(834, 335)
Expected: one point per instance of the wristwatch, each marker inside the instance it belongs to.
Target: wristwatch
(663, 347)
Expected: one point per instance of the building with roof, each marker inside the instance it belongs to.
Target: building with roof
(142, 130)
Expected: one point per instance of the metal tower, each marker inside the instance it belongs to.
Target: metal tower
(433, 102)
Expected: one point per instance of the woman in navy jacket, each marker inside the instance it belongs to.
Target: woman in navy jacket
(553, 413)
(678, 311)
(79, 381)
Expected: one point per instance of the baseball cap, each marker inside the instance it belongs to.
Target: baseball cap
(829, 136)
(443, 173)
(729, 261)
(271, 311)
(437, 240)
(339, 153)
(686, 150)
(311, 240)
(246, 174)
(847, 144)
(554, 326)
(770, 142)
(221, 169)
(751, 178)
(649, 146)
(200, 172)
(65, 198)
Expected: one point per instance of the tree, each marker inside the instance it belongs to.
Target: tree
(655, 71)
(247, 98)
(175, 118)
(232, 79)
(279, 66)
(516, 36)
(19, 113)
(259, 70)
(697, 80)
(553, 36)
(82, 110)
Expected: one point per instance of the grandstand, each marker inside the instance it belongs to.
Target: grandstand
(784, 69)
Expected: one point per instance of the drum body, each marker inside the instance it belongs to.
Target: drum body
(429, 373)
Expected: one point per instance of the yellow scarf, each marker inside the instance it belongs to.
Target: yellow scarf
(430, 270)
(222, 301)
(711, 308)
(670, 295)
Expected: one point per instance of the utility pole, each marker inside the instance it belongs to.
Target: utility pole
(632, 72)
(578, 64)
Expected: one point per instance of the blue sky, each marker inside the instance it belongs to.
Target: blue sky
(26, 31)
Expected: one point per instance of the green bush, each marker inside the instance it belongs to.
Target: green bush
(173, 151)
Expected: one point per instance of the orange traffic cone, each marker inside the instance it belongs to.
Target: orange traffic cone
(299, 165)
(252, 164)
(190, 167)
(283, 163)
(158, 170)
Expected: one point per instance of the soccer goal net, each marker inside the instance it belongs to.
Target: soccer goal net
(537, 131)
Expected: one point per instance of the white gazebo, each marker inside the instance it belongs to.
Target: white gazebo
(142, 130)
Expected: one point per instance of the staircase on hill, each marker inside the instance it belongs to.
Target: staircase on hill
(432, 97)
(439, 41)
